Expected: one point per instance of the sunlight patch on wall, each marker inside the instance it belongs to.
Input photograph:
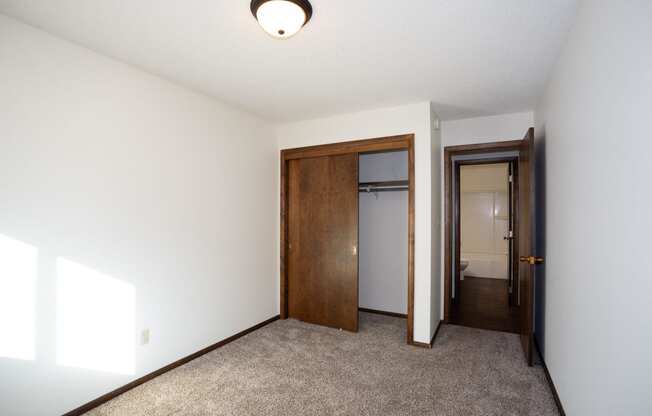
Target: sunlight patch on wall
(95, 320)
(18, 267)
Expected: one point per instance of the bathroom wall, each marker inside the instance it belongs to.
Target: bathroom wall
(383, 235)
(484, 214)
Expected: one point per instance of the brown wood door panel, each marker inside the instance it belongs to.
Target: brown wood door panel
(457, 298)
(514, 243)
(526, 242)
(323, 240)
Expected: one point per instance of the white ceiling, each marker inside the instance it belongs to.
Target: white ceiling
(469, 57)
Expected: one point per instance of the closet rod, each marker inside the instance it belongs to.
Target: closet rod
(383, 186)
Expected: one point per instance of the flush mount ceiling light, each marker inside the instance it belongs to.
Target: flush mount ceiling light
(281, 18)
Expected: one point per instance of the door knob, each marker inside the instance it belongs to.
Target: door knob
(531, 259)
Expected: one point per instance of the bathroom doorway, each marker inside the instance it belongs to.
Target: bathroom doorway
(471, 304)
(484, 288)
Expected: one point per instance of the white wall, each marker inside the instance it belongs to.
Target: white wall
(385, 166)
(383, 235)
(486, 129)
(436, 190)
(473, 131)
(413, 118)
(593, 139)
(163, 198)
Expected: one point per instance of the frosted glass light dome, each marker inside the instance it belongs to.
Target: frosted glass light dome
(281, 18)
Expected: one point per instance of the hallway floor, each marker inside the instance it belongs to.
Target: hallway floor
(293, 368)
(484, 303)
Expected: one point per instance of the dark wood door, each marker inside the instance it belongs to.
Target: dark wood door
(457, 293)
(513, 239)
(526, 239)
(323, 240)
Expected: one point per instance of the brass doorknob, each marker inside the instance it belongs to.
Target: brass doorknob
(532, 260)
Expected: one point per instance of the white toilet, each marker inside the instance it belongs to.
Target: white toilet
(463, 265)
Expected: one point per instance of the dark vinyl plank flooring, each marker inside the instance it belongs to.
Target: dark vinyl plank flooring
(484, 303)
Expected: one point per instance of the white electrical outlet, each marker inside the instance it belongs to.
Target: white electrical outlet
(144, 337)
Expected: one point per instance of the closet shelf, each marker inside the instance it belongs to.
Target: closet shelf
(386, 186)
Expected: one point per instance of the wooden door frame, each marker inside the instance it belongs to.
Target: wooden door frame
(383, 144)
(450, 221)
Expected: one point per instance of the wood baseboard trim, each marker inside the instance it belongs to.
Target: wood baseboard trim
(120, 390)
(432, 341)
(560, 407)
(377, 312)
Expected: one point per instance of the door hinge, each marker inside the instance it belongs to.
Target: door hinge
(511, 178)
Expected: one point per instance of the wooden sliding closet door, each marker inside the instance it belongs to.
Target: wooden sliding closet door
(323, 240)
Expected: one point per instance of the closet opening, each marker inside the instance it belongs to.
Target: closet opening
(347, 233)
(383, 233)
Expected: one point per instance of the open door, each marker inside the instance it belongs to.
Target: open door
(457, 292)
(323, 240)
(526, 231)
(512, 260)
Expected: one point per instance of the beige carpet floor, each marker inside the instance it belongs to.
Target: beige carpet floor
(293, 368)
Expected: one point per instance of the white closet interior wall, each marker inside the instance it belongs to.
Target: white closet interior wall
(383, 238)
